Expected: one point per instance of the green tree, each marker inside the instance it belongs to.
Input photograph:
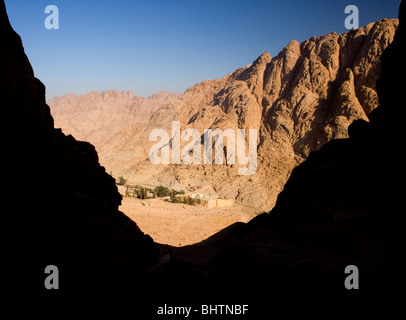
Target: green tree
(162, 191)
(121, 181)
(143, 193)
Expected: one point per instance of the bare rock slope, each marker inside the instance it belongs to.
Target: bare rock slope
(341, 207)
(304, 97)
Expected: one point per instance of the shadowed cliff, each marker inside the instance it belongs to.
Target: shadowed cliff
(342, 206)
(62, 207)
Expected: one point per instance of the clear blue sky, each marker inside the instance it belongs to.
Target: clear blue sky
(154, 45)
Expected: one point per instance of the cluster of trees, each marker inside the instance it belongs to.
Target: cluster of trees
(121, 181)
(162, 191)
(157, 192)
(186, 200)
(139, 192)
(144, 193)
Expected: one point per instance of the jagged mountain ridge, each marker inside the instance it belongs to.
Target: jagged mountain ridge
(340, 207)
(289, 261)
(304, 97)
(97, 117)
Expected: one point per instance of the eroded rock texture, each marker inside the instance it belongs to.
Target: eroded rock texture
(342, 206)
(297, 101)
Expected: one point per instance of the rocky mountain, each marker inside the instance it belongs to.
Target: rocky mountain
(342, 206)
(297, 101)
(105, 114)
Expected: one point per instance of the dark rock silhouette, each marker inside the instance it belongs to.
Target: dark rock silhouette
(342, 206)
(62, 206)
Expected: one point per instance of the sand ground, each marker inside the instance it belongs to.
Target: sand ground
(179, 224)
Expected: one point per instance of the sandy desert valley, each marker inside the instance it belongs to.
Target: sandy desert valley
(295, 103)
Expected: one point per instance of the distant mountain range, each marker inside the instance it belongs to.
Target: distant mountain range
(340, 208)
(297, 101)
